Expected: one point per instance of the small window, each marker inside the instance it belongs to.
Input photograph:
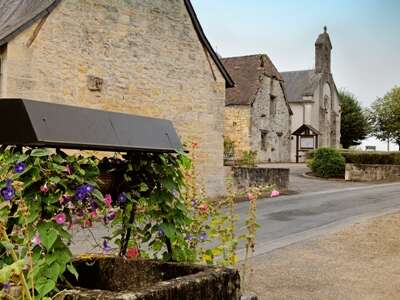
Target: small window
(263, 141)
(272, 106)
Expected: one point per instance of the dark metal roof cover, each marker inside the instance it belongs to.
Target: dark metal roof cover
(34, 123)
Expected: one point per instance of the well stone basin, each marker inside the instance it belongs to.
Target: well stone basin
(119, 278)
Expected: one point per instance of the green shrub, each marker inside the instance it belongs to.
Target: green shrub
(229, 148)
(378, 158)
(327, 162)
(248, 158)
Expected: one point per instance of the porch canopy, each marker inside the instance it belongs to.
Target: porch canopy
(306, 139)
(41, 124)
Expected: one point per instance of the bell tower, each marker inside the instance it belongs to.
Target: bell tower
(323, 48)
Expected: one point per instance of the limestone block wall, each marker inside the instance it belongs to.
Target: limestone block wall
(277, 126)
(137, 57)
(237, 127)
(365, 172)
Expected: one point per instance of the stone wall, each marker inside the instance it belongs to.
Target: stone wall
(245, 177)
(276, 126)
(364, 172)
(138, 57)
(237, 127)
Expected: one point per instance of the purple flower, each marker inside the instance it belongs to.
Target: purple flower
(6, 286)
(106, 247)
(68, 170)
(194, 202)
(19, 167)
(88, 188)
(60, 218)
(122, 198)
(202, 236)
(8, 193)
(94, 205)
(65, 199)
(8, 183)
(189, 237)
(36, 240)
(160, 232)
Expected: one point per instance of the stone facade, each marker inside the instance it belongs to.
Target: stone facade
(136, 57)
(314, 99)
(257, 115)
(270, 123)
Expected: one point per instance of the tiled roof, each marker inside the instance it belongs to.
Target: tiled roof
(300, 83)
(246, 72)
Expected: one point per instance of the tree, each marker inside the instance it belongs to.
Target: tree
(354, 121)
(384, 117)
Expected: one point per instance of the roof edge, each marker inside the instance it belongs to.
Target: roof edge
(206, 43)
(24, 26)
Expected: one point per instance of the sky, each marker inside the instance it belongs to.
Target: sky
(365, 36)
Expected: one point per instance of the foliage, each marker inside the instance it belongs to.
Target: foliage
(327, 162)
(248, 158)
(154, 206)
(367, 157)
(384, 116)
(229, 148)
(354, 122)
(41, 192)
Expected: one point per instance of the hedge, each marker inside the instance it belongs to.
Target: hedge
(366, 157)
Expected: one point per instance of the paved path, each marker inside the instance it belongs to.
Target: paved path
(289, 219)
(299, 184)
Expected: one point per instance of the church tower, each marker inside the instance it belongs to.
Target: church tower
(323, 48)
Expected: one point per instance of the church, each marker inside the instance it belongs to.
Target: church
(314, 100)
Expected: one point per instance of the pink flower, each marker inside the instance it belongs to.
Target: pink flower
(93, 213)
(250, 197)
(68, 169)
(133, 252)
(108, 200)
(203, 208)
(275, 193)
(44, 188)
(36, 240)
(88, 223)
(60, 218)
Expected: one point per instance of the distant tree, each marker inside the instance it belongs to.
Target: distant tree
(384, 117)
(354, 121)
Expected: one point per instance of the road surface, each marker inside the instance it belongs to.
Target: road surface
(289, 219)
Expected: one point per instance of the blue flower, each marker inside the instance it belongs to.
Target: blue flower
(202, 236)
(8, 193)
(122, 198)
(106, 247)
(79, 195)
(82, 191)
(189, 237)
(88, 188)
(19, 167)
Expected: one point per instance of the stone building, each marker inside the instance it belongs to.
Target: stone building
(257, 115)
(147, 58)
(314, 99)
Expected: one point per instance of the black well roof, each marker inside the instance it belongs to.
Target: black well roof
(41, 124)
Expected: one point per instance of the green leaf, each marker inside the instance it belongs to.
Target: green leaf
(169, 230)
(45, 286)
(40, 152)
(7, 245)
(54, 179)
(53, 271)
(72, 270)
(98, 194)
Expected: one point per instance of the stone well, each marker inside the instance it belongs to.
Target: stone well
(116, 278)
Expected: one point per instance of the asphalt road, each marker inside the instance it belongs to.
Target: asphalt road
(289, 219)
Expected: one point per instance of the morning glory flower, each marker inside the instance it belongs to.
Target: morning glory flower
(106, 247)
(36, 240)
(203, 236)
(88, 188)
(108, 200)
(122, 198)
(194, 202)
(19, 167)
(60, 218)
(44, 188)
(8, 193)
